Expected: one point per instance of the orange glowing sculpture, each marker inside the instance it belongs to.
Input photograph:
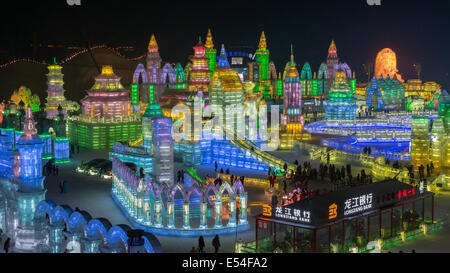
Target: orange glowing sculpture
(2, 108)
(386, 64)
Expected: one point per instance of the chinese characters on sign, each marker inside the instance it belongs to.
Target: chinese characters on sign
(358, 204)
(293, 214)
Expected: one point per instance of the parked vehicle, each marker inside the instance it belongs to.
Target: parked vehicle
(104, 170)
(86, 167)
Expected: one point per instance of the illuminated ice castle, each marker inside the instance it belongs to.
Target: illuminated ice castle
(106, 116)
(341, 104)
(385, 93)
(21, 185)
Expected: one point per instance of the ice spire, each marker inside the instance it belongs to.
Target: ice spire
(153, 45)
(332, 51)
(262, 42)
(209, 40)
(223, 60)
(292, 56)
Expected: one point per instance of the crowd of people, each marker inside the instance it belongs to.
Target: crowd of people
(429, 172)
(305, 173)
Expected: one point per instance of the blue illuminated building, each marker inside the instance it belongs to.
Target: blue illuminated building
(30, 191)
(385, 93)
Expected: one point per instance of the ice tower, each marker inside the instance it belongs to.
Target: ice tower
(420, 141)
(292, 117)
(163, 150)
(55, 90)
(341, 104)
(332, 60)
(200, 74)
(226, 90)
(153, 61)
(211, 53)
(28, 171)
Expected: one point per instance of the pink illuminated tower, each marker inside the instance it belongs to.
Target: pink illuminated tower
(292, 117)
(107, 98)
(200, 74)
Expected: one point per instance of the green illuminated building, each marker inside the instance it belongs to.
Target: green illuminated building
(262, 57)
(306, 81)
(211, 53)
(107, 115)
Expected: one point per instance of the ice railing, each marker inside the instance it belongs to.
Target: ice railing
(103, 120)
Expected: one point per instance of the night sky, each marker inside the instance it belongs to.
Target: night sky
(418, 31)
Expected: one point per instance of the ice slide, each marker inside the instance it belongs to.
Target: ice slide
(246, 145)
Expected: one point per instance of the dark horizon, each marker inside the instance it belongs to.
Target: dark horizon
(417, 31)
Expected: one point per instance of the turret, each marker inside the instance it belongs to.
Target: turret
(211, 52)
(223, 60)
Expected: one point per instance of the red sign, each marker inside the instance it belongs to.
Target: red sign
(263, 225)
(406, 193)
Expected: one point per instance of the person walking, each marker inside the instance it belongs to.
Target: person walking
(215, 166)
(216, 244)
(57, 170)
(201, 244)
(61, 186)
(7, 245)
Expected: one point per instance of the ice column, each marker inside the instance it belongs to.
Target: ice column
(163, 150)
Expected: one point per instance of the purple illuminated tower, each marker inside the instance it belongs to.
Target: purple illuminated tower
(292, 117)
